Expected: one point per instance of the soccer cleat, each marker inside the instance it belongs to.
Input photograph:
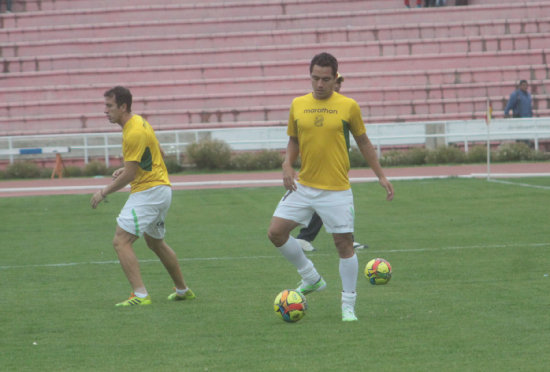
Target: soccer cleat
(305, 289)
(305, 245)
(357, 245)
(134, 301)
(189, 295)
(348, 314)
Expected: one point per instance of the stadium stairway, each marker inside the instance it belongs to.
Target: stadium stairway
(240, 63)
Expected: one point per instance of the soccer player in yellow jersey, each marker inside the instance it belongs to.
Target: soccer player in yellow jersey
(309, 233)
(149, 201)
(319, 128)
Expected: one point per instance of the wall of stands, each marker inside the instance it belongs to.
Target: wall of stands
(239, 63)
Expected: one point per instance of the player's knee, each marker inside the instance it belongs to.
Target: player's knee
(122, 240)
(117, 244)
(344, 245)
(276, 236)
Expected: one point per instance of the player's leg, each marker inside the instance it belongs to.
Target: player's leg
(170, 261)
(349, 269)
(168, 258)
(290, 213)
(140, 212)
(279, 229)
(336, 210)
(153, 218)
(279, 234)
(122, 244)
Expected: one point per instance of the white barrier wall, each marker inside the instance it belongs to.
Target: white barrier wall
(430, 134)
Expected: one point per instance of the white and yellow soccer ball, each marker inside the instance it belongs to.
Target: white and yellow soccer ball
(290, 305)
(378, 271)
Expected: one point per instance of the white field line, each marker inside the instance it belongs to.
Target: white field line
(414, 250)
(520, 184)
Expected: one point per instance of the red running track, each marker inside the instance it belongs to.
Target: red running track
(257, 179)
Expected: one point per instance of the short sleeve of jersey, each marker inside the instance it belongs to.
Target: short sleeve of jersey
(134, 146)
(357, 126)
(140, 145)
(292, 129)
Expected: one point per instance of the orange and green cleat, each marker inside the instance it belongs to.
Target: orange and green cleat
(135, 301)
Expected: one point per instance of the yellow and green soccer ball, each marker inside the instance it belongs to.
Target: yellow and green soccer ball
(378, 271)
(290, 305)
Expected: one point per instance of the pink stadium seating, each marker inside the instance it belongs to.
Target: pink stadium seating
(160, 98)
(176, 21)
(105, 73)
(237, 63)
(162, 41)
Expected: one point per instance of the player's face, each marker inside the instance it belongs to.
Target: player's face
(322, 82)
(523, 86)
(337, 86)
(113, 112)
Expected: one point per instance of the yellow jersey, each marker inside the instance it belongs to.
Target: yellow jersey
(140, 144)
(322, 128)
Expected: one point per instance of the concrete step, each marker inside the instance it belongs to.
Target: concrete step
(161, 98)
(281, 67)
(131, 12)
(354, 80)
(384, 38)
(422, 48)
(375, 111)
(309, 19)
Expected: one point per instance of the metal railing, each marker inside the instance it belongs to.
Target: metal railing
(106, 146)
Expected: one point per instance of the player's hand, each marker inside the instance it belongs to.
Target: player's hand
(289, 178)
(389, 188)
(97, 198)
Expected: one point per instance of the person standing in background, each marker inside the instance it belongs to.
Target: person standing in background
(520, 102)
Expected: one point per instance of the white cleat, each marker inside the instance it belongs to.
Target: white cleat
(306, 246)
(348, 314)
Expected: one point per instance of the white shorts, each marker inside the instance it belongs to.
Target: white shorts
(145, 211)
(334, 207)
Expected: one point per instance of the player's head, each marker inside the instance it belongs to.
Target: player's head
(323, 69)
(523, 85)
(118, 103)
(339, 81)
(324, 60)
(121, 95)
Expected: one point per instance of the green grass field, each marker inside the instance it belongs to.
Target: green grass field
(470, 290)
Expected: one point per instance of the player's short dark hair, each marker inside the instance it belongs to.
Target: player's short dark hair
(122, 95)
(324, 60)
(523, 81)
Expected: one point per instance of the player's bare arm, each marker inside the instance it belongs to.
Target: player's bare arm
(368, 152)
(123, 178)
(289, 174)
(117, 173)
